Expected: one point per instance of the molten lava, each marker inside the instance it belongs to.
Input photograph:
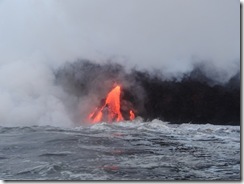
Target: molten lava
(110, 111)
(132, 115)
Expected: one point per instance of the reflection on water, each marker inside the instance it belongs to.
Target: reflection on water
(122, 151)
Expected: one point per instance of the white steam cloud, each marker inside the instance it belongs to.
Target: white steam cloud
(29, 97)
(37, 37)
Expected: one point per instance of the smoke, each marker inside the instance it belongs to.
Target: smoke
(90, 83)
(147, 34)
(196, 96)
(29, 97)
(33, 93)
(159, 39)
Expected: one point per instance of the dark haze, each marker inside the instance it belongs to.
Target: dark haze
(193, 97)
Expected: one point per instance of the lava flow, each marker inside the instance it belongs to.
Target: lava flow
(110, 110)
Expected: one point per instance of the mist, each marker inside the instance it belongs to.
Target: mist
(38, 38)
(192, 97)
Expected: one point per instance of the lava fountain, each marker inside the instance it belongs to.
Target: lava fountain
(110, 110)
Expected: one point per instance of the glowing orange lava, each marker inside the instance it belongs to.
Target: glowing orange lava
(132, 115)
(110, 111)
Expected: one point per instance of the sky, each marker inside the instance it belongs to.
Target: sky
(143, 33)
(37, 37)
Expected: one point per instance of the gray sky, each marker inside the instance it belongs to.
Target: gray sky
(146, 33)
(162, 34)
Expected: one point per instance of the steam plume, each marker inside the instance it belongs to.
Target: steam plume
(192, 97)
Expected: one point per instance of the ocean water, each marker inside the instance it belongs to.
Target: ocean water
(135, 150)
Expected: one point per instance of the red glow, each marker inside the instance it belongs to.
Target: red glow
(113, 102)
(132, 115)
(110, 111)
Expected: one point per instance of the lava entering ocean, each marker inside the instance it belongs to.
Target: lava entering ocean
(110, 110)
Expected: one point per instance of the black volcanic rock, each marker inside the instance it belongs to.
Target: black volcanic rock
(196, 98)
